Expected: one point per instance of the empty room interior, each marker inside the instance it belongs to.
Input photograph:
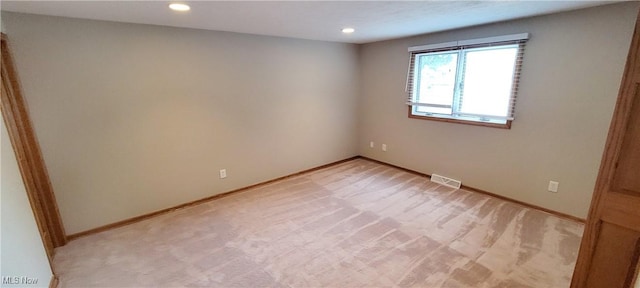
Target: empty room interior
(313, 144)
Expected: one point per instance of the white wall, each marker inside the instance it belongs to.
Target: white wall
(22, 252)
(571, 73)
(137, 118)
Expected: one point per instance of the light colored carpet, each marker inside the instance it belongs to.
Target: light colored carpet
(354, 224)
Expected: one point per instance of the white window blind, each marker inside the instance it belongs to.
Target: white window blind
(472, 79)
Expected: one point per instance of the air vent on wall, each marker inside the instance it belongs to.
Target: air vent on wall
(453, 183)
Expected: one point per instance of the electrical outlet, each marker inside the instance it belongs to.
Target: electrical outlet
(553, 186)
(371, 144)
(384, 147)
(223, 173)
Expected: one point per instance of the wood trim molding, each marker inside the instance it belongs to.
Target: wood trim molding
(556, 213)
(610, 205)
(53, 283)
(196, 202)
(469, 188)
(459, 121)
(243, 189)
(25, 145)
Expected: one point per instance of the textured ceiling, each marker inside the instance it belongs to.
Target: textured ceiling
(316, 20)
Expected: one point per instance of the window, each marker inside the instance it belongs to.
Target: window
(471, 82)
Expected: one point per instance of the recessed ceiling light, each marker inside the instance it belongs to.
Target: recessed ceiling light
(348, 30)
(179, 7)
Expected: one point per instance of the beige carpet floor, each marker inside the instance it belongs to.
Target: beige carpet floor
(354, 224)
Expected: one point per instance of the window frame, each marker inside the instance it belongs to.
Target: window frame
(506, 125)
(462, 47)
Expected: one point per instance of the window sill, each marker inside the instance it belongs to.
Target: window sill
(459, 121)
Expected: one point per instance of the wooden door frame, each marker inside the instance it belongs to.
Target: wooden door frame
(32, 167)
(604, 206)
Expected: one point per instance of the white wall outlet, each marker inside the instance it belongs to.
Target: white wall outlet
(223, 173)
(371, 144)
(384, 147)
(553, 186)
